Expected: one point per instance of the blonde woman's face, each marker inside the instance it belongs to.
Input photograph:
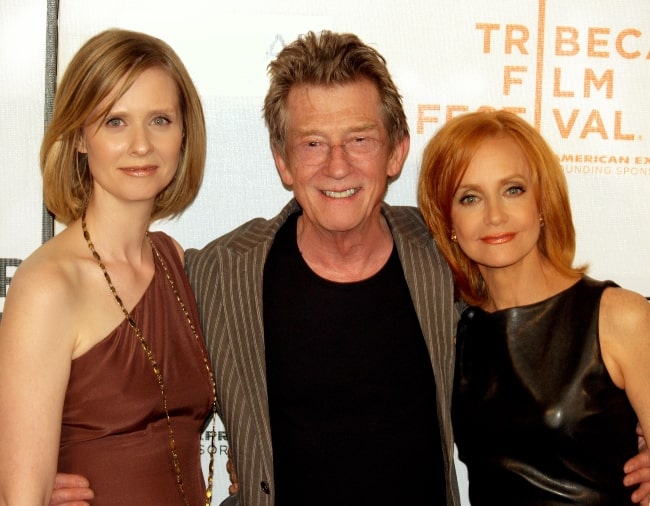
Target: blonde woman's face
(133, 151)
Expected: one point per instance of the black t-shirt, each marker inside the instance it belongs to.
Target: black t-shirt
(351, 389)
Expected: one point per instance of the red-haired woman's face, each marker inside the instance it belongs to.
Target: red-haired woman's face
(494, 213)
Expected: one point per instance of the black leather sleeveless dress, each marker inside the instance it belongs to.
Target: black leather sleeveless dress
(537, 418)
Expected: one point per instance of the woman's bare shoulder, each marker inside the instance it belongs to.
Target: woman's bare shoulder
(624, 310)
(52, 270)
(46, 292)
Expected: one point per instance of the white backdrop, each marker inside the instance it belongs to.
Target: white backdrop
(577, 70)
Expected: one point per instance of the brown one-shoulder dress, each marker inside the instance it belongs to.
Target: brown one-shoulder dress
(114, 429)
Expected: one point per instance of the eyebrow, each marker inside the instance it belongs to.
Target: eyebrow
(363, 127)
(505, 180)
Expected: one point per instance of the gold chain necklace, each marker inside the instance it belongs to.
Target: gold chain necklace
(212, 449)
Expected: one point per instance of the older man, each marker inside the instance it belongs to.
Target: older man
(331, 326)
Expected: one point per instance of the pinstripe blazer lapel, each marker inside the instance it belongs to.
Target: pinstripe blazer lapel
(431, 287)
(226, 277)
(245, 308)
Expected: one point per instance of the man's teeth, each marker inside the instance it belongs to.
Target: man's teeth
(340, 195)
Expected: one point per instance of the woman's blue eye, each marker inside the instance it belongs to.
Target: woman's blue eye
(515, 190)
(468, 199)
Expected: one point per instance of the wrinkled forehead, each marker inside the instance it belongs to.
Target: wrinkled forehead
(334, 109)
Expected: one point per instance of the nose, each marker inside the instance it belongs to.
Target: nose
(140, 142)
(337, 165)
(495, 214)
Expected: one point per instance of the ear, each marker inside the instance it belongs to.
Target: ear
(81, 143)
(283, 169)
(398, 156)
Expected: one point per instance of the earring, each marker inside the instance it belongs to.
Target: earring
(541, 220)
(453, 237)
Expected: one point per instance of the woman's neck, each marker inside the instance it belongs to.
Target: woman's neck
(523, 285)
(119, 234)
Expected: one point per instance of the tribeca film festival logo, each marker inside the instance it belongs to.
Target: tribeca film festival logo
(590, 44)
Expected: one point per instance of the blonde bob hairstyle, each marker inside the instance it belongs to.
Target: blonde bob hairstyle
(444, 163)
(111, 58)
(328, 59)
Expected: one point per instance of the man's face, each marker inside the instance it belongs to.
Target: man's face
(338, 159)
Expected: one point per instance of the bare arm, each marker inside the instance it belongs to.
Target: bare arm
(35, 357)
(625, 343)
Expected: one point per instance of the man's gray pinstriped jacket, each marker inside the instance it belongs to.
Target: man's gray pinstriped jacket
(226, 276)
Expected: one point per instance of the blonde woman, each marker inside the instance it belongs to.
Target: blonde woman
(103, 369)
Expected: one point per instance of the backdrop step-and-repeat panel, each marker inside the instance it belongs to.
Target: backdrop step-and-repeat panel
(576, 70)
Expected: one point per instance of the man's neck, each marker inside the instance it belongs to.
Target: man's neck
(345, 256)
